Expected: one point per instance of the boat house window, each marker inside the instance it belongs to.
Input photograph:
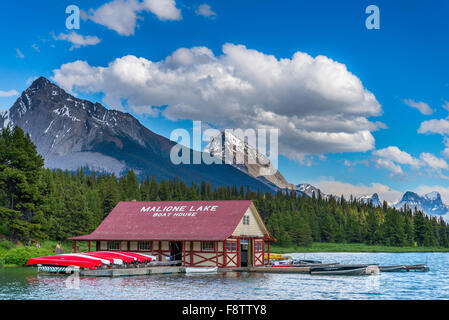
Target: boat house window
(144, 245)
(245, 219)
(231, 246)
(207, 245)
(114, 245)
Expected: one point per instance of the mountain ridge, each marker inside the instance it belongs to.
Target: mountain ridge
(70, 133)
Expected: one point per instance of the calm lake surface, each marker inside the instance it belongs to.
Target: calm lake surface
(25, 283)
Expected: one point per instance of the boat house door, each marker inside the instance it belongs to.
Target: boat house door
(175, 251)
(244, 246)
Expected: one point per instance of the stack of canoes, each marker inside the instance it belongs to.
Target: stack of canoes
(93, 260)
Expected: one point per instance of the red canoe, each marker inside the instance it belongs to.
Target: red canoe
(69, 257)
(61, 262)
(113, 255)
(139, 257)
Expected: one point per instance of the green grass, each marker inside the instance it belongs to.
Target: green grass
(352, 247)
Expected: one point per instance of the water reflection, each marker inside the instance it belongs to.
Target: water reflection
(25, 283)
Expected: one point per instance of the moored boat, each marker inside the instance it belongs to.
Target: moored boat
(348, 270)
(201, 270)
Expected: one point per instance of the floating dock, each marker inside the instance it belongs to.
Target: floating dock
(126, 272)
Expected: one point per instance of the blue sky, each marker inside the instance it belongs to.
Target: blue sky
(388, 143)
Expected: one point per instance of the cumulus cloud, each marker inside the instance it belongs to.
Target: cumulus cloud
(433, 161)
(9, 93)
(440, 126)
(78, 40)
(122, 15)
(392, 158)
(421, 106)
(205, 11)
(394, 154)
(390, 165)
(330, 186)
(318, 105)
(437, 126)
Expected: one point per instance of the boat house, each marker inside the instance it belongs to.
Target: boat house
(225, 234)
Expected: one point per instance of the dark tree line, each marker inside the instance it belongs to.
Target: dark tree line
(38, 203)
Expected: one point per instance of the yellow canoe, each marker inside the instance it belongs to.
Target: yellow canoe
(275, 256)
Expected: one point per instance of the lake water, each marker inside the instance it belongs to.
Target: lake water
(25, 283)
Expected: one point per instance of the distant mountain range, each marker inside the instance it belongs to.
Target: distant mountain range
(71, 133)
(429, 203)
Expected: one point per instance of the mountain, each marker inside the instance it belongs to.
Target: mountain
(246, 158)
(373, 199)
(310, 190)
(71, 133)
(429, 203)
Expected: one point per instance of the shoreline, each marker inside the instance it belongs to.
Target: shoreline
(352, 247)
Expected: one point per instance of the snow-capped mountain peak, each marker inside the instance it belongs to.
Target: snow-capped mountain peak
(429, 203)
(245, 157)
(373, 199)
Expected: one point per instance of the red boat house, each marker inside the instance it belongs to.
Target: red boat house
(197, 233)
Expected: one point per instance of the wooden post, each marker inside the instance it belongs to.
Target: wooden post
(216, 253)
(90, 244)
(160, 250)
(268, 251)
(238, 252)
(225, 252)
(74, 246)
(183, 253)
(191, 253)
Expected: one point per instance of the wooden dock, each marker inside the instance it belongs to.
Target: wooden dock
(127, 272)
(280, 269)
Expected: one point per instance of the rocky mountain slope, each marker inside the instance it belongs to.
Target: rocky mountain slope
(71, 133)
(238, 153)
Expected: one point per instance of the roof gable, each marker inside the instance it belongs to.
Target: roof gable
(171, 220)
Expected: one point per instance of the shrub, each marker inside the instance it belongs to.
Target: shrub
(7, 245)
(21, 255)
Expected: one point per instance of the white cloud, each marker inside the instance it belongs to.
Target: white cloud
(445, 105)
(440, 126)
(390, 165)
(421, 106)
(318, 105)
(9, 93)
(35, 47)
(433, 161)
(78, 40)
(337, 188)
(205, 11)
(163, 9)
(393, 153)
(19, 54)
(122, 15)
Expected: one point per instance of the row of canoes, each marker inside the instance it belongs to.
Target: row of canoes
(93, 260)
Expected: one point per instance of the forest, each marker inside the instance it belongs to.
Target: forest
(40, 204)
